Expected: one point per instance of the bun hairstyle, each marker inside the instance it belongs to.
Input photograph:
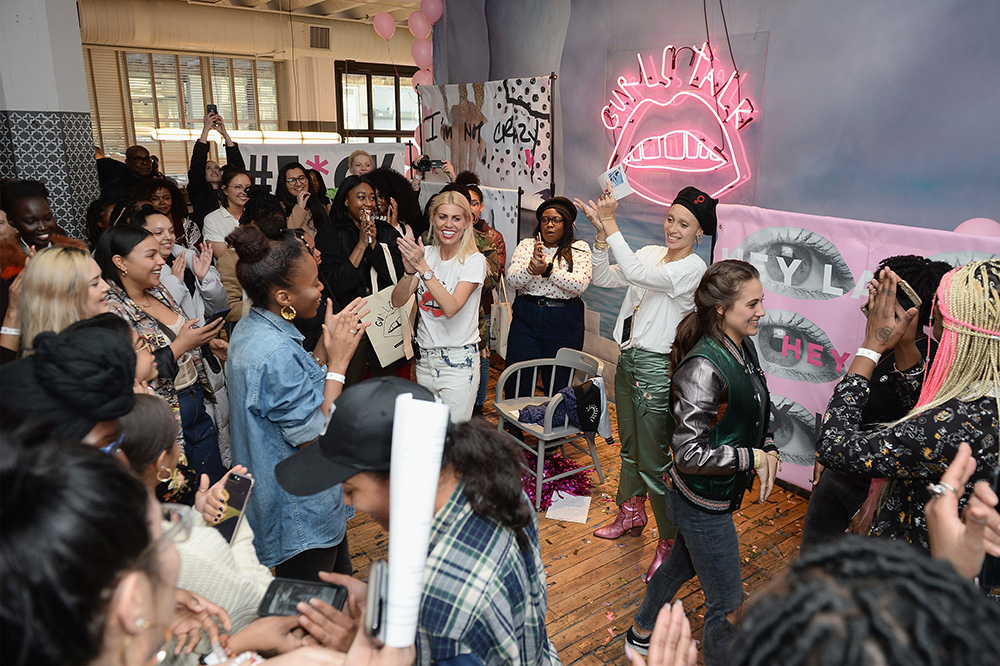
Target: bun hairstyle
(148, 430)
(720, 286)
(142, 213)
(264, 265)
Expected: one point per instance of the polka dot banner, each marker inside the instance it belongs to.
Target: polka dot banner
(502, 130)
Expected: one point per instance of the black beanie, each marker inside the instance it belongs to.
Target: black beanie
(701, 206)
(561, 204)
(74, 380)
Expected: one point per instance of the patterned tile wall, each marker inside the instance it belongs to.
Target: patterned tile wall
(56, 148)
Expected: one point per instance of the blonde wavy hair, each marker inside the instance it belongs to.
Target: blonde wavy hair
(54, 292)
(468, 246)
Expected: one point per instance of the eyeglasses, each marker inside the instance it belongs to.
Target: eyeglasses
(238, 188)
(300, 179)
(178, 522)
(477, 204)
(551, 220)
(142, 344)
(145, 160)
(112, 448)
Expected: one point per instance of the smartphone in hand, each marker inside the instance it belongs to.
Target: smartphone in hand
(284, 594)
(239, 488)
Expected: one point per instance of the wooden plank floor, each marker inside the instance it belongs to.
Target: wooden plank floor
(594, 585)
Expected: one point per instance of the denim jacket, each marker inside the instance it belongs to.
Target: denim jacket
(275, 393)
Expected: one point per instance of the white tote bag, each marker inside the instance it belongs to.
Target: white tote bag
(389, 325)
(500, 316)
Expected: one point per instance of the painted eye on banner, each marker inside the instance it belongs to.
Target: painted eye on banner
(797, 262)
(792, 347)
(796, 430)
(963, 257)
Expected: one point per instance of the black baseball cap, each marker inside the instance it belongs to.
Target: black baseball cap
(358, 438)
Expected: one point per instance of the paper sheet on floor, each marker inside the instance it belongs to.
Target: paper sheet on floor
(568, 507)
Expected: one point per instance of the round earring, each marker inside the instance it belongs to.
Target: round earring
(288, 312)
(699, 237)
(143, 624)
(170, 474)
(125, 272)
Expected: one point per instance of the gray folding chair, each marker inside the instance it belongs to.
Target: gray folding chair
(550, 435)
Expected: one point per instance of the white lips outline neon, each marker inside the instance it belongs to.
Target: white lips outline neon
(731, 147)
(666, 158)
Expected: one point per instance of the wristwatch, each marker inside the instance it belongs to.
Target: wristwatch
(427, 275)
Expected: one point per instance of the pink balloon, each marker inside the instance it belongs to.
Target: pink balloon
(419, 26)
(977, 226)
(385, 25)
(432, 10)
(423, 78)
(417, 135)
(423, 53)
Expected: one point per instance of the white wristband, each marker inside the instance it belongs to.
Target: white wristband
(7, 330)
(872, 355)
(335, 377)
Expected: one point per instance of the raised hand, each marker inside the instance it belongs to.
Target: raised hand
(590, 210)
(180, 263)
(202, 262)
(887, 320)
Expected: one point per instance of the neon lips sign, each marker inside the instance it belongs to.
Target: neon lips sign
(680, 124)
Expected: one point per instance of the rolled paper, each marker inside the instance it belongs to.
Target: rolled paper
(418, 433)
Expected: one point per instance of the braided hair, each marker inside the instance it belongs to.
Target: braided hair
(869, 601)
(967, 363)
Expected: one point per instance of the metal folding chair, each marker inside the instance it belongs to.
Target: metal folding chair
(550, 435)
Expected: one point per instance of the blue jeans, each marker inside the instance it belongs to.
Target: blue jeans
(453, 374)
(201, 441)
(539, 332)
(706, 546)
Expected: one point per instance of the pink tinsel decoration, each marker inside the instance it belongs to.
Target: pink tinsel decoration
(575, 484)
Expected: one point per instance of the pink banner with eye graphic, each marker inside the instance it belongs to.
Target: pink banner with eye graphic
(814, 270)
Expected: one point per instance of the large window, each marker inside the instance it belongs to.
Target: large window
(377, 102)
(133, 94)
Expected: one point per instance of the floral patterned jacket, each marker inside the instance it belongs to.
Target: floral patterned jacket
(146, 326)
(910, 454)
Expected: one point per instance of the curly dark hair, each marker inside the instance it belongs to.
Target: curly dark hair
(862, 600)
(923, 274)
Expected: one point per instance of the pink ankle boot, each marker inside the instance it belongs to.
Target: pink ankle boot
(662, 550)
(631, 516)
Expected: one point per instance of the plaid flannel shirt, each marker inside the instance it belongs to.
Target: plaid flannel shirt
(482, 594)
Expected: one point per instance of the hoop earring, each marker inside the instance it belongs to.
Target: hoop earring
(288, 312)
(170, 474)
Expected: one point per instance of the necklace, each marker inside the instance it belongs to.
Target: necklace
(670, 261)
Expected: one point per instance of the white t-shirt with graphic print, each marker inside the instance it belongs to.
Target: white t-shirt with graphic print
(437, 330)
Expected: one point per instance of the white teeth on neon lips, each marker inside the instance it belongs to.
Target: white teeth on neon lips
(677, 150)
